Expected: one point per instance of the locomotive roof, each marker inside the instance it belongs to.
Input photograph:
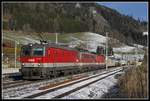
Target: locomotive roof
(57, 46)
(52, 45)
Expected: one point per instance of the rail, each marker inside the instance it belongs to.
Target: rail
(73, 83)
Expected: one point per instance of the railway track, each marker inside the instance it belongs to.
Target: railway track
(16, 83)
(31, 90)
(68, 88)
(10, 84)
(18, 91)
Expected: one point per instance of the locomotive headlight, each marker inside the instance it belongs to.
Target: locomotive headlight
(22, 64)
(39, 64)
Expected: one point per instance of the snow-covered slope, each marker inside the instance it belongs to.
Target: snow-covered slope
(89, 40)
(86, 40)
(20, 38)
(94, 40)
(124, 49)
(127, 48)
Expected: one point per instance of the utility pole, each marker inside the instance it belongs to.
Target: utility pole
(56, 22)
(56, 38)
(16, 53)
(106, 50)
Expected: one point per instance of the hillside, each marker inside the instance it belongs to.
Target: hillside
(70, 18)
(85, 40)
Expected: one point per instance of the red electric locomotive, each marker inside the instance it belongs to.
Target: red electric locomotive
(42, 61)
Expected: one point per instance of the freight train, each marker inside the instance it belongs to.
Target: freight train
(45, 60)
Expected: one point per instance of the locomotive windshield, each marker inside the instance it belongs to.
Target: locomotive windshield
(38, 51)
(32, 51)
(26, 51)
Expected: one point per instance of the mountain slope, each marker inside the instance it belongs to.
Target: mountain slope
(70, 18)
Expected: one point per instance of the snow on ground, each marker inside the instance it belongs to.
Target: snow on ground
(26, 40)
(22, 39)
(23, 91)
(19, 92)
(95, 37)
(31, 40)
(93, 40)
(95, 90)
(139, 46)
(68, 88)
(124, 49)
(26, 90)
(74, 42)
(129, 56)
(89, 39)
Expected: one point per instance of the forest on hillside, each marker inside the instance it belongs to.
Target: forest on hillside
(70, 18)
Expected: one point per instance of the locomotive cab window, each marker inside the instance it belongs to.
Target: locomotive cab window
(38, 51)
(26, 51)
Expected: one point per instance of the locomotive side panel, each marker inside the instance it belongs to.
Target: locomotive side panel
(57, 55)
